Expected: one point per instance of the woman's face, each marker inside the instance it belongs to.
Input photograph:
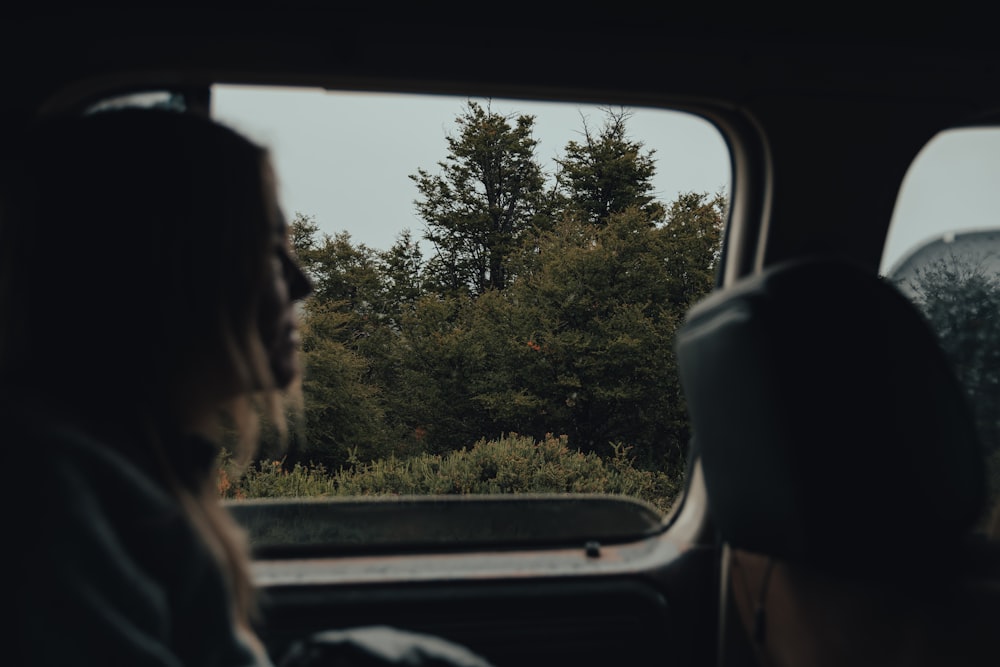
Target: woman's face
(284, 284)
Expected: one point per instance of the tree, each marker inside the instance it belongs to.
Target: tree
(607, 173)
(489, 193)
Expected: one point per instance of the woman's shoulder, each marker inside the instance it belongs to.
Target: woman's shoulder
(86, 471)
(108, 552)
(83, 490)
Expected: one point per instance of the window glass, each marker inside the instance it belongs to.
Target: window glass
(943, 251)
(497, 285)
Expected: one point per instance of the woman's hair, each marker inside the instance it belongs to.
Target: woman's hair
(135, 247)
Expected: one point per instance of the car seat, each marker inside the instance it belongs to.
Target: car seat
(832, 431)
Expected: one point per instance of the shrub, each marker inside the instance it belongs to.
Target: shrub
(510, 464)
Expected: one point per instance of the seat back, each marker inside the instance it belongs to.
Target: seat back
(831, 428)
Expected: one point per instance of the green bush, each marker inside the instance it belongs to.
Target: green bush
(510, 464)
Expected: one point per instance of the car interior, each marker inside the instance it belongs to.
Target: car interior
(830, 427)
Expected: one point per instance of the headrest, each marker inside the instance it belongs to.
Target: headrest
(830, 425)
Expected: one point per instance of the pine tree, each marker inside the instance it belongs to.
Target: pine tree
(487, 197)
(608, 173)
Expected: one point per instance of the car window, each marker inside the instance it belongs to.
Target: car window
(493, 278)
(943, 251)
(497, 286)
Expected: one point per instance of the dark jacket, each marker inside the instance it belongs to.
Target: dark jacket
(111, 572)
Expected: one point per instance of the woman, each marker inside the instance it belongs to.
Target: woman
(147, 293)
(147, 311)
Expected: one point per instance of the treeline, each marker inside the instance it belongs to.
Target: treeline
(532, 305)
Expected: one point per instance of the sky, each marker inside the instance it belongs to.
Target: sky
(952, 186)
(344, 158)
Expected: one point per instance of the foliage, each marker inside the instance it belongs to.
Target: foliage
(598, 312)
(440, 359)
(341, 408)
(536, 313)
(510, 464)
